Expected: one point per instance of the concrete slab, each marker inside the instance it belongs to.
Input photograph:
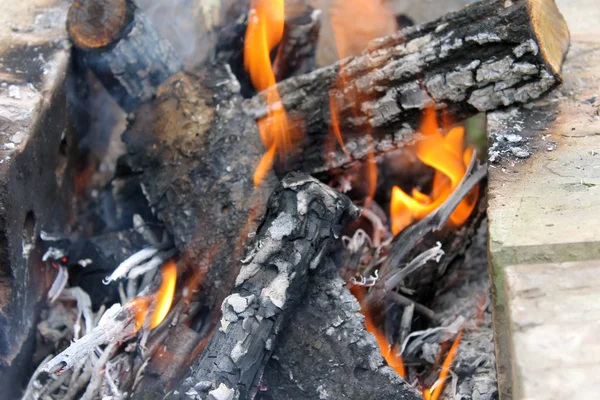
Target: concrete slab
(554, 314)
(544, 211)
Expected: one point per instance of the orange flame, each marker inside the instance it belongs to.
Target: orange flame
(390, 353)
(263, 33)
(163, 299)
(438, 386)
(445, 154)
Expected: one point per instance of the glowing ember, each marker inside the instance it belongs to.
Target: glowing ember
(264, 31)
(162, 299)
(445, 154)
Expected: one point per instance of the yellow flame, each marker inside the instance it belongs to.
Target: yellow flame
(445, 154)
(263, 33)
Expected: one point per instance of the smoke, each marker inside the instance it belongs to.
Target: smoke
(188, 24)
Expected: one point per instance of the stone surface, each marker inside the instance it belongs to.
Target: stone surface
(554, 311)
(543, 211)
(35, 188)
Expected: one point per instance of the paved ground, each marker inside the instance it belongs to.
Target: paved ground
(544, 215)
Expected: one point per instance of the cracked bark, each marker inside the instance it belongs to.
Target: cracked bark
(491, 54)
(303, 218)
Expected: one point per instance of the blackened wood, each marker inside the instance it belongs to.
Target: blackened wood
(130, 59)
(324, 351)
(491, 54)
(196, 151)
(303, 218)
(297, 49)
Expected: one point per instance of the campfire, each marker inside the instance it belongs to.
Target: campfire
(277, 224)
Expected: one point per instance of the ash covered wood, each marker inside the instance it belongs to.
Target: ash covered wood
(304, 218)
(489, 55)
(325, 352)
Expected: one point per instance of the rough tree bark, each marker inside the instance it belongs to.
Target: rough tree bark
(491, 54)
(304, 217)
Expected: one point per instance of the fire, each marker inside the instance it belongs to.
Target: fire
(445, 154)
(162, 299)
(436, 389)
(390, 353)
(264, 32)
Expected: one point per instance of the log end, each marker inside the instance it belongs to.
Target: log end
(551, 31)
(93, 24)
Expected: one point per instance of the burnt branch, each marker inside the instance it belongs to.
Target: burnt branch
(303, 218)
(491, 54)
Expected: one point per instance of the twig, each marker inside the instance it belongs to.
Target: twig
(59, 283)
(116, 324)
(408, 238)
(131, 262)
(434, 253)
(405, 301)
(97, 368)
(406, 322)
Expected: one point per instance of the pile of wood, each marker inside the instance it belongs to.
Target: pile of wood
(264, 310)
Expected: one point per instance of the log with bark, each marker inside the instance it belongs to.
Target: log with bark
(304, 218)
(195, 151)
(122, 47)
(491, 54)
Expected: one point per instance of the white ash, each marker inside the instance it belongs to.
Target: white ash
(14, 92)
(520, 152)
(282, 226)
(275, 293)
(222, 393)
(529, 46)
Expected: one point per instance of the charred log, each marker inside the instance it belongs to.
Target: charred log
(122, 47)
(489, 55)
(324, 350)
(196, 150)
(297, 50)
(304, 217)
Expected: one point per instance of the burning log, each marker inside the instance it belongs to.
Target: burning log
(304, 217)
(491, 54)
(196, 152)
(297, 49)
(325, 349)
(122, 48)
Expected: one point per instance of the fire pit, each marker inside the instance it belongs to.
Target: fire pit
(267, 199)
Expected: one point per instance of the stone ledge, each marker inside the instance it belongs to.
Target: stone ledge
(543, 213)
(554, 314)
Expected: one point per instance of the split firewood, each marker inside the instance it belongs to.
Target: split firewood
(304, 218)
(121, 46)
(325, 350)
(491, 54)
